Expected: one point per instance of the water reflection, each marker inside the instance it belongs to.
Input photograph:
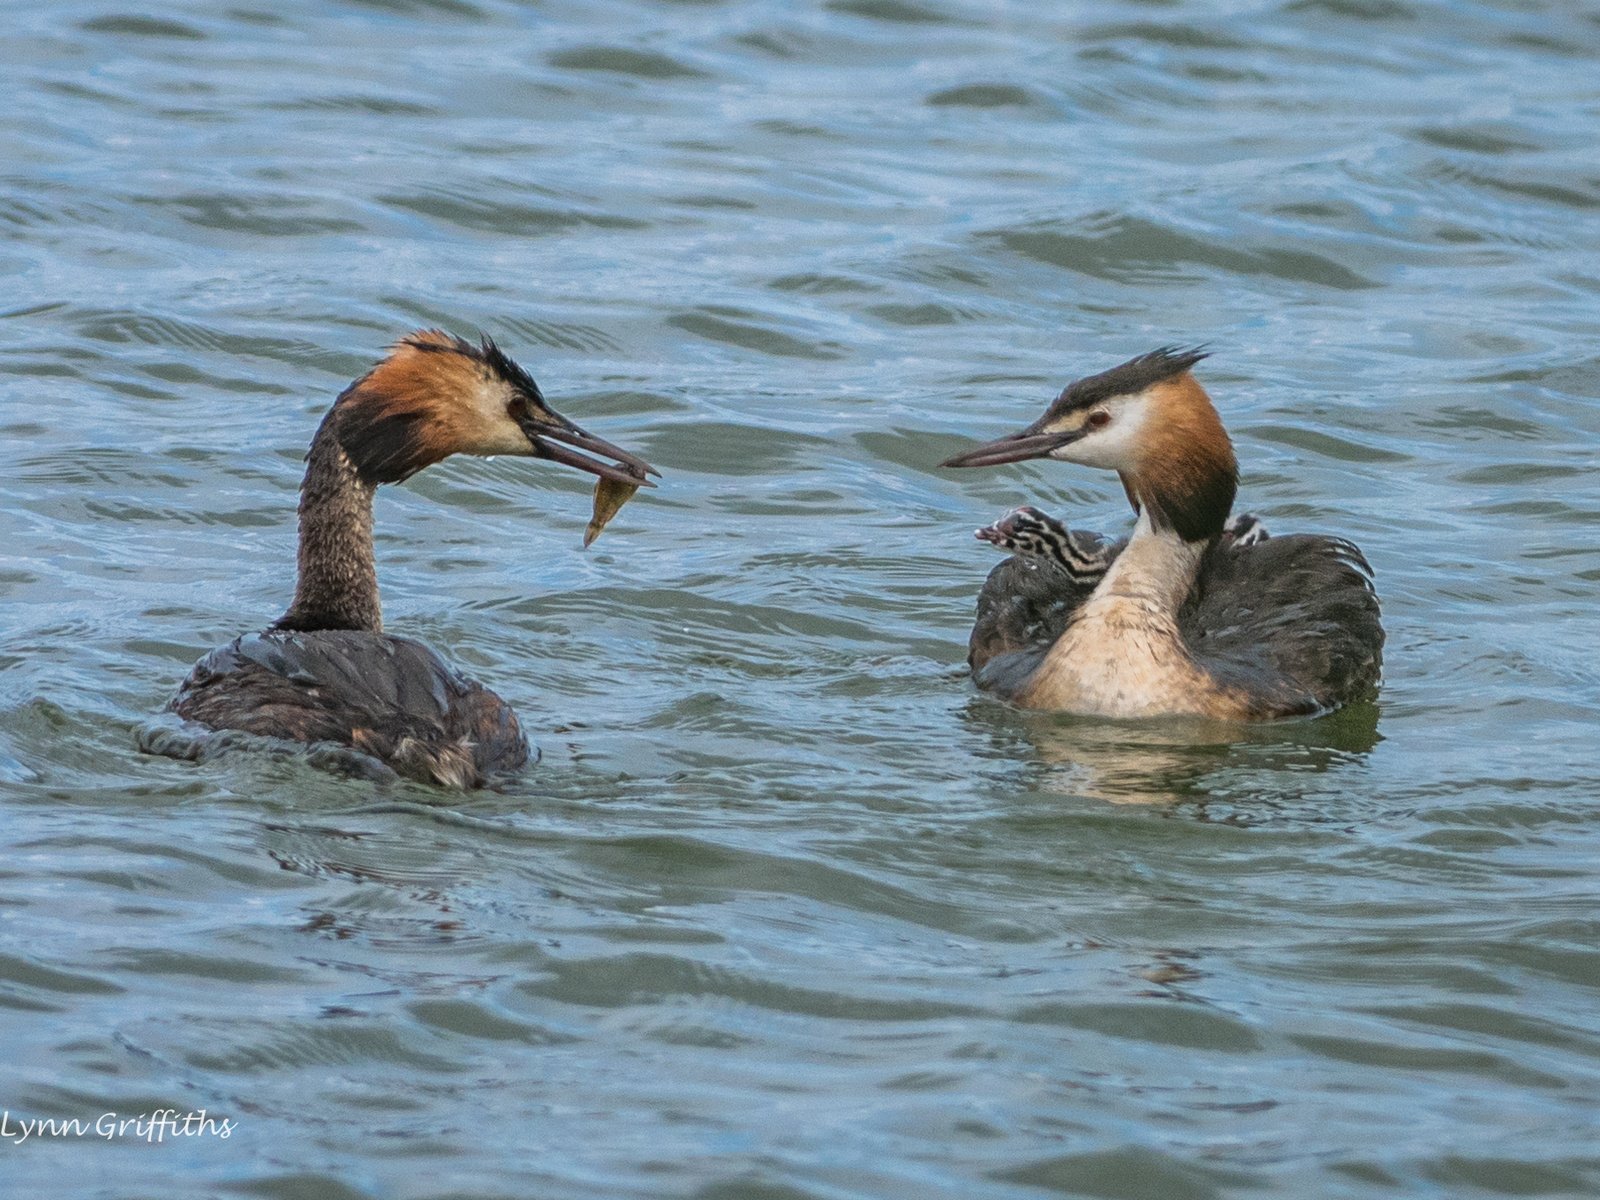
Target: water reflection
(1168, 761)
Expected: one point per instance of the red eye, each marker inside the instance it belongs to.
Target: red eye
(1097, 419)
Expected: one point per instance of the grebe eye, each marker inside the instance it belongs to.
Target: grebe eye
(1098, 419)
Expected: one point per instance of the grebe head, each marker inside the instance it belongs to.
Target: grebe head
(1024, 531)
(436, 395)
(1151, 422)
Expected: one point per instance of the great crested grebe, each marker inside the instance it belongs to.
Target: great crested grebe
(1190, 616)
(325, 672)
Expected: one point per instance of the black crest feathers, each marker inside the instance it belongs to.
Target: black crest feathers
(1129, 378)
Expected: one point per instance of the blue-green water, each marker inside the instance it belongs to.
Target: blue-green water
(788, 912)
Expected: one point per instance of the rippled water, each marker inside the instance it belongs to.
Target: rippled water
(788, 912)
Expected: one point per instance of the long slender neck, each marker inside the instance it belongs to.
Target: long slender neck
(1156, 570)
(1182, 484)
(338, 582)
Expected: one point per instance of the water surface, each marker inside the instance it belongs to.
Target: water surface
(788, 912)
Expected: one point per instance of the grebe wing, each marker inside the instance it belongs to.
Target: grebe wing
(386, 696)
(1024, 607)
(1289, 615)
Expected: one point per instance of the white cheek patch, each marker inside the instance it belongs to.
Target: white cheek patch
(1115, 445)
(493, 430)
(505, 438)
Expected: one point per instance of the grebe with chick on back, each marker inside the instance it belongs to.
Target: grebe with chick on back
(1191, 615)
(325, 672)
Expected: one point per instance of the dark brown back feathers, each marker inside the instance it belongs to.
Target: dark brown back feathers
(390, 698)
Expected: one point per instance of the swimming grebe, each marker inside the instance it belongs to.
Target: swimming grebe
(1182, 620)
(325, 672)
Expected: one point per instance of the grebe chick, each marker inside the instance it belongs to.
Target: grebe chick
(1042, 541)
(1191, 615)
(1039, 538)
(325, 672)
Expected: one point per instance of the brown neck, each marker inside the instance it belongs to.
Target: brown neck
(338, 583)
(1186, 475)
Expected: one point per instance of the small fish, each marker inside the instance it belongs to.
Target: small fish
(609, 497)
